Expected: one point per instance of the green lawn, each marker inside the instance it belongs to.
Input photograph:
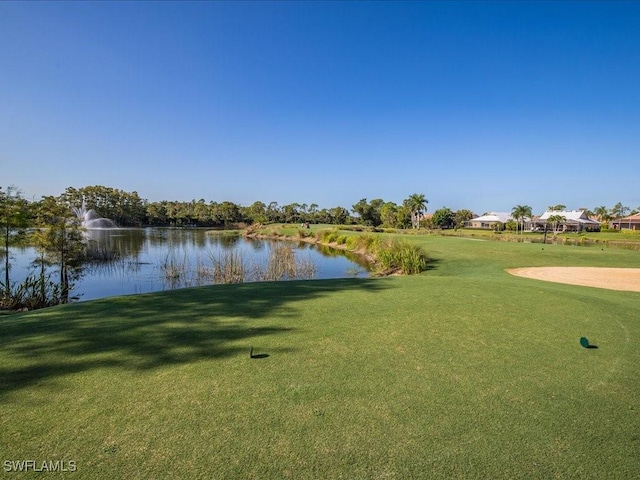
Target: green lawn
(461, 372)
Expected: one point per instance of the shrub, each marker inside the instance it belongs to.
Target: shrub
(33, 293)
(364, 242)
(395, 255)
(329, 236)
(341, 239)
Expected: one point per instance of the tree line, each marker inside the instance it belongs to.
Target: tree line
(129, 209)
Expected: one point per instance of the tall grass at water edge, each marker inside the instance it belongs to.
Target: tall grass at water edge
(233, 267)
(391, 254)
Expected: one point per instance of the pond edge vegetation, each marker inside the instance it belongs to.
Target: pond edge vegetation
(386, 255)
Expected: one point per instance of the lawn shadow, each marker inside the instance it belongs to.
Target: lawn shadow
(432, 264)
(141, 332)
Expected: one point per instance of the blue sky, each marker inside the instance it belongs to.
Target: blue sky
(478, 105)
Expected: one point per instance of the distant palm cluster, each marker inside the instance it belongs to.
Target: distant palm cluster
(557, 218)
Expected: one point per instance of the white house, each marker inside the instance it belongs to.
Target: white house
(489, 220)
(574, 220)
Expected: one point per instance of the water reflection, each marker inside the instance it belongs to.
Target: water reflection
(127, 261)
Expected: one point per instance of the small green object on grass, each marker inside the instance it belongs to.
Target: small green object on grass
(584, 342)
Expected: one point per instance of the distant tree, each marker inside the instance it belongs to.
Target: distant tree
(404, 217)
(376, 205)
(14, 218)
(389, 215)
(602, 213)
(202, 212)
(368, 212)
(520, 213)
(417, 203)
(557, 208)
(228, 212)
(257, 212)
(125, 208)
(291, 212)
(323, 216)
(443, 218)
(339, 215)
(312, 212)
(273, 212)
(555, 221)
(157, 213)
(363, 210)
(462, 217)
(619, 210)
(303, 212)
(61, 242)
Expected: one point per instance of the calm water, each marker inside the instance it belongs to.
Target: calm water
(144, 254)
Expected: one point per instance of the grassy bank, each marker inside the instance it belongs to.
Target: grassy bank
(460, 372)
(386, 255)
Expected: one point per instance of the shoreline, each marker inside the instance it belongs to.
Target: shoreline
(313, 240)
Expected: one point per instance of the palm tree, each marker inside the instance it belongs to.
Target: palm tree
(416, 203)
(619, 210)
(520, 212)
(602, 213)
(556, 208)
(555, 220)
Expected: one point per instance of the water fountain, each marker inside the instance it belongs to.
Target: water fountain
(90, 219)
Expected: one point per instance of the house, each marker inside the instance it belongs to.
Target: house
(489, 220)
(574, 221)
(632, 222)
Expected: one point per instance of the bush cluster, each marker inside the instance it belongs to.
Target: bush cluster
(392, 255)
(400, 256)
(33, 293)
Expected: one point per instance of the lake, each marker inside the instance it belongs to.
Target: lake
(154, 259)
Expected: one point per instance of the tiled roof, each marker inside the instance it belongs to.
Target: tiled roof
(630, 218)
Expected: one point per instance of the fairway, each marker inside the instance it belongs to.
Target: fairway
(464, 371)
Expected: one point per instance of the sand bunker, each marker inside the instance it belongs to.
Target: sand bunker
(600, 277)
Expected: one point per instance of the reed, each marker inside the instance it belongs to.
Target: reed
(173, 268)
(228, 268)
(283, 265)
(36, 291)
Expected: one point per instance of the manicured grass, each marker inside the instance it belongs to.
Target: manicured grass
(604, 238)
(461, 372)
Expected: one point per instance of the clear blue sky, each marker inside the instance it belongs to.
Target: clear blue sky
(478, 105)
